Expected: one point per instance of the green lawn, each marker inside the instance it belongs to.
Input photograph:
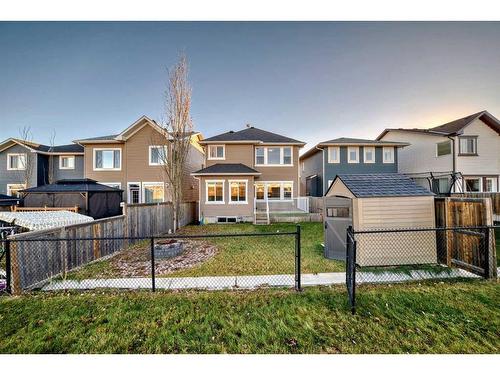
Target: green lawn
(497, 241)
(244, 255)
(452, 317)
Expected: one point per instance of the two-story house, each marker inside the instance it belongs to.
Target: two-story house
(468, 148)
(321, 164)
(245, 168)
(25, 164)
(132, 161)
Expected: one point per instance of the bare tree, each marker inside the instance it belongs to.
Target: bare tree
(52, 162)
(177, 128)
(27, 162)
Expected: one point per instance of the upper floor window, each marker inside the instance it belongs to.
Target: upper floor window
(273, 156)
(443, 148)
(107, 159)
(353, 154)
(216, 152)
(16, 162)
(66, 162)
(388, 154)
(369, 154)
(157, 155)
(468, 145)
(333, 154)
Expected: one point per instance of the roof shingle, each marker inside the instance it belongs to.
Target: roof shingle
(251, 134)
(227, 169)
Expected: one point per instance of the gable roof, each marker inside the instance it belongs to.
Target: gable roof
(226, 169)
(40, 148)
(381, 185)
(251, 135)
(343, 141)
(454, 127)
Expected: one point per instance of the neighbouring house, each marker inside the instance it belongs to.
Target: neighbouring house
(321, 164)
(380, 201)
(249, 174)
(26, 164)
(460, 156)
(86, 196)
(132, 161)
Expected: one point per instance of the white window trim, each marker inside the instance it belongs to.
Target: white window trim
(383, 154)
(207, 182)
(216, 158)
(129, 196)
(333, 161)
(146, 184)
(282, 156)
(162, 162)
(9, 187)
(246, 192)
(366, 148)
(282, 191)
(106, 149)
(463, 137)
(352, 148)
(61, 157)
(494, 185)
(9, 166)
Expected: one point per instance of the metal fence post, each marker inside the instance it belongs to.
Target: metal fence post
(353, 307)
(8, 266)
(298, 275)
(153, 281)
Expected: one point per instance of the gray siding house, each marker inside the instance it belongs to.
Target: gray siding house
(321, 164)
(27, 164)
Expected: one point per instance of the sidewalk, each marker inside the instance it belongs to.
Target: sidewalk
(252, 282)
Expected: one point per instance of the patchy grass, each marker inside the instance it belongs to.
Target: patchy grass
(497, 242)
(455, 317)
(242, 255)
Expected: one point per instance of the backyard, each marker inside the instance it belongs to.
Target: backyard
(432, 317)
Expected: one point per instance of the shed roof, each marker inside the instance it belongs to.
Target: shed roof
(229, 168)
(72, 186)
(381, 185)
(44, 220)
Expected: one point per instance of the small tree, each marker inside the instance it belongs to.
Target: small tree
(177, 128)
(52, 162)
(26, 173)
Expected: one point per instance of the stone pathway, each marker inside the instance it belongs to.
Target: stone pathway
(251, 282)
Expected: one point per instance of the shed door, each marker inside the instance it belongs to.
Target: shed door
(338, 216)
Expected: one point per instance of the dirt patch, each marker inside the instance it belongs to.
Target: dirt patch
(136, 261)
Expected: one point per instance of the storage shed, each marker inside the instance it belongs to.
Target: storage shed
(91, 198)
(380, 201)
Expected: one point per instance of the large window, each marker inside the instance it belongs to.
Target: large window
(16, 162)
(333, 154)
(369, 155)
(353, 154)
(107, 159)
(153, 192)
(66, 162)
(157, 155)
(215, 191)
(273, 156)
(443, 148)
(468, 145)
(388, 154)
(13, 189)
(279, 190)
(473, 185)
(238, 191)
(216, 152)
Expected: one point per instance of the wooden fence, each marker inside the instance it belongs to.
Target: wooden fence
(495, 201)
(34, 262)
(462, 247)
(316, 205)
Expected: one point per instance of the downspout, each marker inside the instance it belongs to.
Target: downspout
(454, 166)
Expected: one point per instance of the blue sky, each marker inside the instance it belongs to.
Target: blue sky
(310, 81)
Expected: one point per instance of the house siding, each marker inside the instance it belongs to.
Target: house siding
(62, 174)
(313, 165)
(16, 177)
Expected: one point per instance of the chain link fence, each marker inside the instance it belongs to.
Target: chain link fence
(170, 262)
(406, 255)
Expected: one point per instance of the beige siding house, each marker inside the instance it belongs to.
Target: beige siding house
(468, 148)
(131, 161)
(248, 174)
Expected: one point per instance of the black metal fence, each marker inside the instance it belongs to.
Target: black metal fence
(170, 262)
(405, 255)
